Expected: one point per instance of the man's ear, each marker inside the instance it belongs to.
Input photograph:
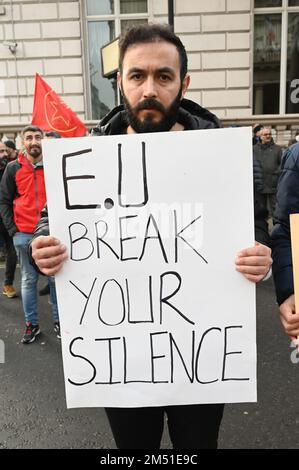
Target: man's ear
(119, 82)
(185, 84)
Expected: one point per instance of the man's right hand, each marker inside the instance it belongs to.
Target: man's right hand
(289, 318)
(49, 254)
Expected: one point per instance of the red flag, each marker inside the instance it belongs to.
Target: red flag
(50, 113)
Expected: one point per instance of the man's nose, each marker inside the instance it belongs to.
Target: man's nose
(150, 90)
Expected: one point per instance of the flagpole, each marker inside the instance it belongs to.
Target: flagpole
(171, 14)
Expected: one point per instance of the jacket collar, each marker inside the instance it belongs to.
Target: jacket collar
(191, 115)
(23, 160)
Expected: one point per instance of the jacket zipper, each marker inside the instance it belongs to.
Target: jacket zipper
(36, 194)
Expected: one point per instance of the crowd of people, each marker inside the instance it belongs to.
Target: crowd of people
(153, 81)
(279, 196)
(22, 197)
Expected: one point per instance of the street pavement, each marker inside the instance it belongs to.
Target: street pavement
(32, 397)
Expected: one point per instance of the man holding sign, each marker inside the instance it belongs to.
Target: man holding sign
(153, 80)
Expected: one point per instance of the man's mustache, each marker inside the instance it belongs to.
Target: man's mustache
(150, 103)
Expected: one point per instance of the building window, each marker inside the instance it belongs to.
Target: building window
(105, 20)
(292, 91)
(276, 57)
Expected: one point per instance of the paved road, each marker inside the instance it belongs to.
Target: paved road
(32, 400)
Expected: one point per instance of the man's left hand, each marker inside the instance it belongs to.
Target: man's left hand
(254, 262)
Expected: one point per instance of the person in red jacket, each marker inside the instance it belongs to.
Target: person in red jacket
(22, 197)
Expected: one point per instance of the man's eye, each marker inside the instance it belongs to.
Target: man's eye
(164, 78)
(136, 76)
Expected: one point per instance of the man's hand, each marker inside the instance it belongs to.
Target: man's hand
(254, 262)
(49, 254)
(289, 318)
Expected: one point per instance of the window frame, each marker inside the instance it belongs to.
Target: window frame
(117, 17)
(284, 10)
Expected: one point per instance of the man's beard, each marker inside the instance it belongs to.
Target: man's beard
(34, 152)
(3, 162)
(168, 119)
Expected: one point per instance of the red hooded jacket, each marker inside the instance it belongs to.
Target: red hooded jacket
(22, 195)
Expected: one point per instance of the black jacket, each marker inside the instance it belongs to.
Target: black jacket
(2, 227)
(270, 157)
(260, 209)
(191, 115)
(287, 203)
(258, 176)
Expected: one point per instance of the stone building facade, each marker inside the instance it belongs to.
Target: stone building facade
(55, 39)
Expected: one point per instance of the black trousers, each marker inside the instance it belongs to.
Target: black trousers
(11, 257)
(270, 203)
(190, 426)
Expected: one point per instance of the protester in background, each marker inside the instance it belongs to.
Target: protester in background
(10, 252)
(294, 140)
(52, 135)
(22, 197)
(287, 203)
(260, 209)
(11, 150)
(256, 132)
(153, 80)
(269, 154)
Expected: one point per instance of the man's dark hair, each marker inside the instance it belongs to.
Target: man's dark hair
(257, 128)
(32, 128)
(10, 144)
(152, 32)
(53, 134)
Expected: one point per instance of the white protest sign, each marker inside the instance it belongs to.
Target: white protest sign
(152, 310)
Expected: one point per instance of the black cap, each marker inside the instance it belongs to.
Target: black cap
(10, 144)
(53, 134)
(257, 128)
